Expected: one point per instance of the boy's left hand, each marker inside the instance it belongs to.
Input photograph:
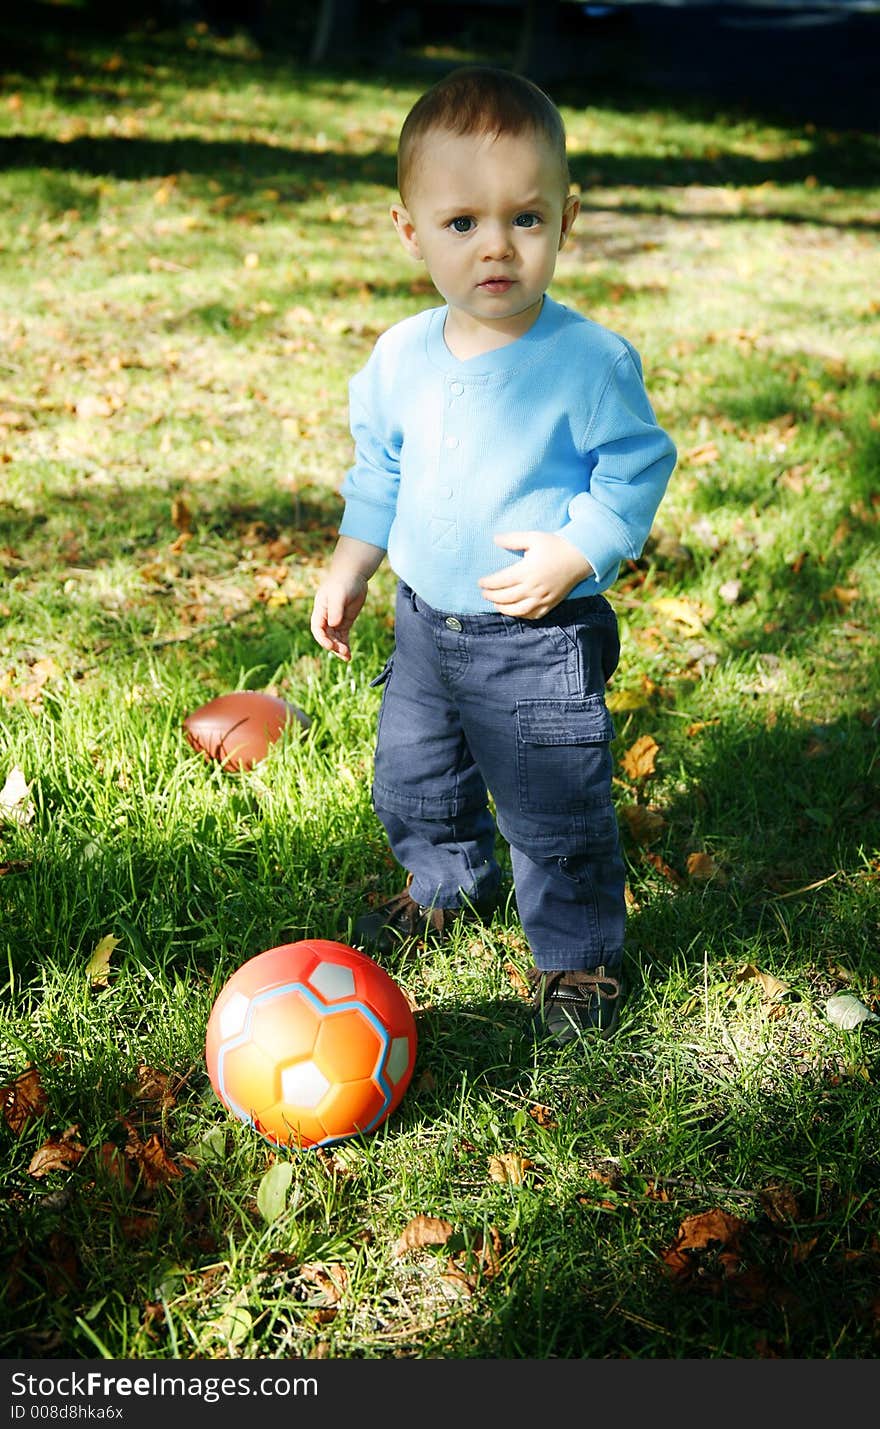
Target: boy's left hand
(550, 567)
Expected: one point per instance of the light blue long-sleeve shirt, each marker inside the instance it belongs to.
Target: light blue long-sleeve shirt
(552, 432)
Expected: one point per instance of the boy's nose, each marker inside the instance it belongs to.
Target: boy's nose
(496, 242)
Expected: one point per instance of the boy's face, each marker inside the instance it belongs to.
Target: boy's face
(488, 215)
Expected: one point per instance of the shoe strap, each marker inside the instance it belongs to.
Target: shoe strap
(570, 985)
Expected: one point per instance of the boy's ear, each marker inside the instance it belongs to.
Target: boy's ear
(570, 211)
(405, 230)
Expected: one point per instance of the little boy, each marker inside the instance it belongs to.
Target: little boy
(507, 459)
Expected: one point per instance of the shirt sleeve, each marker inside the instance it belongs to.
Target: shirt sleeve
(370, 486)
(632, 459)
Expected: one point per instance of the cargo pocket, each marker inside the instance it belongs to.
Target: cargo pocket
(563, 754)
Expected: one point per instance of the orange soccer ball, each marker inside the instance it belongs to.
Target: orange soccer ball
(310, 1043)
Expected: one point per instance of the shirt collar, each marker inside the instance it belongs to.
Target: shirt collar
(501, 359)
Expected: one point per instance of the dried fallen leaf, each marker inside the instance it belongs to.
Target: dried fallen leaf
(800, 1250)
(155, 1163)
(181, 515)
(703, 868)
(781, 1204)
(684, 612)
(509, 1168)
(481, 1258)
(841, 595)
(702, 455)
(663, 868)
(57, 1154)
(116, 1165)
(330, 1281)
(771, 986)
(518, 981)
(644, 821)
(609, 1179)
(423, 1230)
(699, 724)
(711, 1230)
(489, 1252)
(542, 1115)
(638, 761)
(98, 965)
(655, 1191)
(457, 1283)
(138, 1226)
(23, 1100)
(845, 1011)
(150, 1085)
(620, 701)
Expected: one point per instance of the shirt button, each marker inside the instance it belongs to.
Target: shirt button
(452, 623)
(456, 388)
(450, 442)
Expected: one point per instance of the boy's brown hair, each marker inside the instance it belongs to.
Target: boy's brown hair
(478, 99)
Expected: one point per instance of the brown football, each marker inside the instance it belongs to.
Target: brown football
(237, 729)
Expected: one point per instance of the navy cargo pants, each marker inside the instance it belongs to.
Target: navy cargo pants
(480, 706)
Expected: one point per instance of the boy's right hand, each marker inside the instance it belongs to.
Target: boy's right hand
(334, 613)
(340, 597)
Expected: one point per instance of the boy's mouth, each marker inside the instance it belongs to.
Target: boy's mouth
(496, 285)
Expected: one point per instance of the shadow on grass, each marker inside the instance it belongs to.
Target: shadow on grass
(131, 68)
(296, 174)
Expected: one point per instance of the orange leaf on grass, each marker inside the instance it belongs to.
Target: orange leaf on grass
(518, 980)
(702, 867)
(423, 1230)
(663, 868)
(699, 724)
(509, 1168)
(639, 760)
(542, 1115)
(711, 1230)
(841, 595)
(23, 1100)
(156, 1165)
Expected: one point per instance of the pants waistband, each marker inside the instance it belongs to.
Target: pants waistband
(493, 623)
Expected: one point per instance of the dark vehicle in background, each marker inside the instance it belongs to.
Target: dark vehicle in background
(815, 59)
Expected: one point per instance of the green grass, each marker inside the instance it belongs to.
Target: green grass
(195, 256)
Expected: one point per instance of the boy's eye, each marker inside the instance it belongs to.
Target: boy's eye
(527, 220)
(461, 225)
